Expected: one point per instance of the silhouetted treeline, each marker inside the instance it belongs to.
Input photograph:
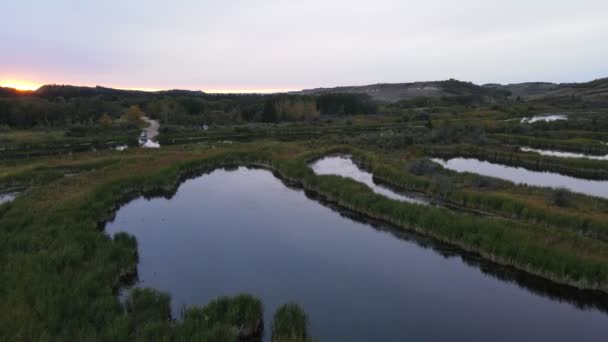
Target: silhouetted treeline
(345, 104)
(53, 106)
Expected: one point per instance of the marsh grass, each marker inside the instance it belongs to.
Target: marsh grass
(60, 273)
(290, 324)
(575, 167)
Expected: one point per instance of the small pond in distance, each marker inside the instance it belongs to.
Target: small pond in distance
(545, 117)
(520, 175)
(243, 230)
(7, 197)
(345, 167)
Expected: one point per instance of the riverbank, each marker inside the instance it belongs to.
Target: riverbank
(540, 250)
(57, 259)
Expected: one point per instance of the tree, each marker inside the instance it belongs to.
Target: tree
(270, 112)
(105, 121)
(134, 116)
(560, 197)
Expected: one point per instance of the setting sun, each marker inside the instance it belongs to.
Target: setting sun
(20, 85)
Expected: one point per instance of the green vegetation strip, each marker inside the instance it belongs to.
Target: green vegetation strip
(484, 195)
(580, 145)
(575, 167)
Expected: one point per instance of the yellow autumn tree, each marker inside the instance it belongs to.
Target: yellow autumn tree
(105, 121)
(134, 115)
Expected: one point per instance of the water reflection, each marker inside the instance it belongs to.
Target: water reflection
(245, 231)
(520, 175)
(581, 299)
(7, 197)
(345, 167)
(546, 118)
(563, 154)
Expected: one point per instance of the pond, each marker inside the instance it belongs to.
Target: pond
(7, 197)
(545, 117)
(243, 230)
(521, 175)
(563, 154)
(345, 167)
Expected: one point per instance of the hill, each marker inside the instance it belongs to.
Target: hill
(68, 91)
(12, 92)
(596, 90)
(395, 92)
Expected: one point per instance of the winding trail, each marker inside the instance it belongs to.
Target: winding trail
(152, 129)
(150, 133)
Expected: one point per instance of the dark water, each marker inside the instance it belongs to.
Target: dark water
(344, 166)
(520, 175)
(245, 231)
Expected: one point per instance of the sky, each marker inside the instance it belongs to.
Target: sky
(277, 45)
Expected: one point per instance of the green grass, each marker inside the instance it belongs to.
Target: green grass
(580, 145)
(18, 137)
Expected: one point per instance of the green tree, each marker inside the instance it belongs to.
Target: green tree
(270, 112)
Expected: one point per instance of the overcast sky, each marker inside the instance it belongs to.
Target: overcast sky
(292, 44)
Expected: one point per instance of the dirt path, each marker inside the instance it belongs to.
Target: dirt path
(152, 129)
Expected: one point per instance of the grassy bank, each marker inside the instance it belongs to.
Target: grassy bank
(575, 167)
(581, 214)
(60, 273)
(577, 145)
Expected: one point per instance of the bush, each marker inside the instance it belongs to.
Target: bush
(148, 305)
(421, 167)
(243, 313)
(290, 323)
(560, 197)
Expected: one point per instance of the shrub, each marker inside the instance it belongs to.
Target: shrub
(421, 167)
(148, 305)
(290, 323)
(560, 197)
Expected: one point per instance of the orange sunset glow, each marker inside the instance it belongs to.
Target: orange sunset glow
(29, 85)
(20, 85)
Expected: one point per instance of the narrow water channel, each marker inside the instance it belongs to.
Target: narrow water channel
(243, 230)
(520, 175)
(345, 167)
(562, 154)
(545, 117)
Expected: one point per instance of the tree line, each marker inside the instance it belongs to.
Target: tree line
(66, 106)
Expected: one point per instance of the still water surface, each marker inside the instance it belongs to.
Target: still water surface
(562, 154)
(545, 117)
(243, 230)
(345, 167)
(7, 197)
(520, 175)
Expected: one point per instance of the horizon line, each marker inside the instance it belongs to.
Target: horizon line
(21, 85)
(31, 86)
